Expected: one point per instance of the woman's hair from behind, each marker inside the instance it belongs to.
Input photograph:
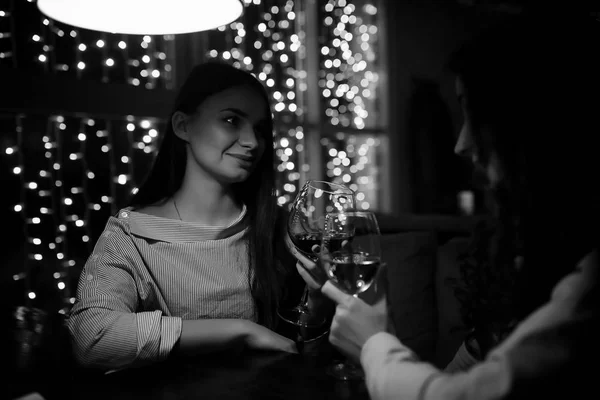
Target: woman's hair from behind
(257, 192)
(532, 87)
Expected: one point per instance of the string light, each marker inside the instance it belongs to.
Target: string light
(64, 195)
(351, 160)
(348, 80)
(347, 77)
(6, 37)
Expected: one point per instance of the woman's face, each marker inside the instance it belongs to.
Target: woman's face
(466, 146)
(226, 134)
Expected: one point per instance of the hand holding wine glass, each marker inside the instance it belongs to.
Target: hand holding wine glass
(313, 275)
(355, 321)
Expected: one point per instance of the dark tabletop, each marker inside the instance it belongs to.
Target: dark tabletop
(241, 375)
(48, 368)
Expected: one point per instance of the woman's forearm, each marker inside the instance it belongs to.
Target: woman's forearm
(209, 335)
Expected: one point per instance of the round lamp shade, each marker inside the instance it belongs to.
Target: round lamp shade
(143, 17)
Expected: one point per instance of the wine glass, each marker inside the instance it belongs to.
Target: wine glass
(305, 227)
(351, 256)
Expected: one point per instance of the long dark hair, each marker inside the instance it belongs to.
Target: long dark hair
(532, 90)
(257, 192)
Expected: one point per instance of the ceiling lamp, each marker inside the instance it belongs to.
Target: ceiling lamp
(143, 17)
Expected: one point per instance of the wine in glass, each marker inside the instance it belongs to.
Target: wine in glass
(305, 227)
(351, 265)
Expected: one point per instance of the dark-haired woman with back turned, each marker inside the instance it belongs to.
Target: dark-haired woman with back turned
(196, 263)
(530, 93)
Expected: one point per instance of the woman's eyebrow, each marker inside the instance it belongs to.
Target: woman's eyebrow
(236, 111)
(245, 115)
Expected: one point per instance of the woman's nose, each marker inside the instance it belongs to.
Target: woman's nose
(464, 145)
(249, 138)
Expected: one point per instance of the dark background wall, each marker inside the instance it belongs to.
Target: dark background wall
(424, 116)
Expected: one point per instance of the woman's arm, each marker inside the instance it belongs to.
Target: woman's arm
(548, 346)
(106, 330)
(211, 335)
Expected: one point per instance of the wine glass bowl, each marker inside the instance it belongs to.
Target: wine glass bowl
(351, 250)
(353, 273)
(307, 216)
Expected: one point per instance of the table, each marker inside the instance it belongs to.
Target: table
(244, 375)
(238, 374)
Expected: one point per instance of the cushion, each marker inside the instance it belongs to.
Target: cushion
(411, 261)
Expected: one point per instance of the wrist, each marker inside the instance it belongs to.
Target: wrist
(244, 328)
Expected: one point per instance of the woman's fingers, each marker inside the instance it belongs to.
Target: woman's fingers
(308, 275)
(299, 256)
(335, 294)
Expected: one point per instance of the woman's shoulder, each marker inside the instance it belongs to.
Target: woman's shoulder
(115, 235)
(590, 262)
(584, 278)
(117, 224)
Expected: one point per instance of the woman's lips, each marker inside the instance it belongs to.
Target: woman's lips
(245, 160)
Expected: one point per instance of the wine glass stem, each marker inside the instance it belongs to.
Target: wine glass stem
(304, 300)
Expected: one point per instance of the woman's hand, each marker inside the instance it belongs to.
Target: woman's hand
(309, 271)
(355, 321)
(314, 276)
(259, 337)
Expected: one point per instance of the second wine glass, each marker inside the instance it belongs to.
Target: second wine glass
(351, 257)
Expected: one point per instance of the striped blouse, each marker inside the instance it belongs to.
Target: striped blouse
(148, 273)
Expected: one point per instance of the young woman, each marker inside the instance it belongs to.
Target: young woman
(530, 94)
(195, 263)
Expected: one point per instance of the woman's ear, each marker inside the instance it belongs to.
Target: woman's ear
(179, 125)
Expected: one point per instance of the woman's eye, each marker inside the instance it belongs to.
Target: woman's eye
(233, 120)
